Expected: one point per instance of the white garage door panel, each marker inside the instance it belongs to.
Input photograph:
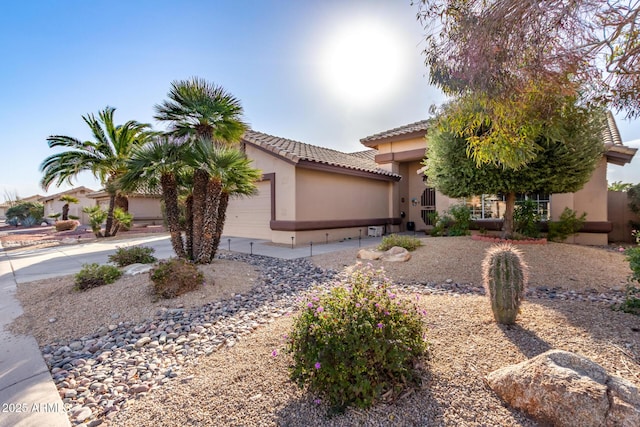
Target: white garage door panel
(250, 216)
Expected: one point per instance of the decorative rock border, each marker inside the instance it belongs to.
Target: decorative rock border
(542, 241)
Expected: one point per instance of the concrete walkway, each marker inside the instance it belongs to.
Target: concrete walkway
(28, 396)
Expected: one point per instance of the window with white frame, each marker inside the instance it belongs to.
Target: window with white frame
(492, 206)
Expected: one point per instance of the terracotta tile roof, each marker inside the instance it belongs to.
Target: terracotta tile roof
(421, 126)
(611, 134)
(296, 151)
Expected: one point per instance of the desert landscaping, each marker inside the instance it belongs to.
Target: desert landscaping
(216, 356)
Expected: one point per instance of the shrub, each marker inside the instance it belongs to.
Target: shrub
(175, 277)
(439, 224)
(407, 242)
(54, 215)
(96, 217)
(525, 218)
(631, 303)
(504, 274)
(569, 224)
(461, 215)
(94, 275)
(357, 342)
(23, 210)
(133, 255)
(29, 221)
(66, 225)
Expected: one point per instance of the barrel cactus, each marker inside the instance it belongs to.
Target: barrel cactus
(505, 276)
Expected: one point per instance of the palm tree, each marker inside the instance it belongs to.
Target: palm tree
(160, 162)
(230, 174)
(67, 198)
(197, 108)
(105, 156)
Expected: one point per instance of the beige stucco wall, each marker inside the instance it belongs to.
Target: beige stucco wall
(250, 216)
(285, 180)
(146, 210)
(621, 217)
(399, 146)
(592, 199)
(75, 209)
(331, 196)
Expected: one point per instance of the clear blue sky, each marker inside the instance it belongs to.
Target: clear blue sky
(322, 72)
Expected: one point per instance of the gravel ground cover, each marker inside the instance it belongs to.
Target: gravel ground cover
(208, 359)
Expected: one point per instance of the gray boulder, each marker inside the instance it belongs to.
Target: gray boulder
(133, 269)
(566, 389)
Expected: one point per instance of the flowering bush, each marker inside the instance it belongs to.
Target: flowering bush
(175, 277)
(357, 342)
(407, 242)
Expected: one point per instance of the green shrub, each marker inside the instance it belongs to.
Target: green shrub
(54, 215)
(568, 225)
(94, 275)
(96, 217)
(461, 216)
(631, 303)
(525, 218)
(133, 255)
(23, 210)
(407, 242)
(66, 225)
(439, 225)
(633, 256)
(175, 277)
(357, 342)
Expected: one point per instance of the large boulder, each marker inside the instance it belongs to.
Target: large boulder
(566, 389)
(369, 254)
(396, 254)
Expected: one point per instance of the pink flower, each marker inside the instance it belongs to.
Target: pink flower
(274, 353)
(358, 305)
(317, 365)
(317, 401)
(310, 305)
(320, 309)
(380, 326)
(621, 249)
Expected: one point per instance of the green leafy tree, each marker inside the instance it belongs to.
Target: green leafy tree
(559, 166)
(24, 210)
(519, 61)
(496, 47)
(105, 156)
(633, 194)
(620, 186)
(202, 110)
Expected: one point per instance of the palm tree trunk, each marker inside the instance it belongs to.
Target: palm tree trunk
(188, 214)
(507, 225)
(214, 191)
(200, 184)
(109, 224)
(122, 202)
(222, 217)
(65, 212)
(170, 195)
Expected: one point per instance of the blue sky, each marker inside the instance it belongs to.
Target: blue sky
(285, 60)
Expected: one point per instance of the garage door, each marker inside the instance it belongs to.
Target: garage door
(250, 216)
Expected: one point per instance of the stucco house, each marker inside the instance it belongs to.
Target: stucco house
(145, 208)
(312, 193)
(53, 204)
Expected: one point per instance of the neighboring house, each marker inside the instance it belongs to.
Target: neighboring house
(5, 206)
(145, 208)
(53, 204)
(311, 193)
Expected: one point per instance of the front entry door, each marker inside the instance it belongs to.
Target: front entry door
(428, 205)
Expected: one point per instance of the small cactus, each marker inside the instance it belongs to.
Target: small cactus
(505, 276)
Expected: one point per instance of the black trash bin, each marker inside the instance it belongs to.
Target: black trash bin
(411, 226)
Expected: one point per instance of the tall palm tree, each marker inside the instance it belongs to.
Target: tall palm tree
(105, 156)
(201, 110)
(160, 163)
(230, 174)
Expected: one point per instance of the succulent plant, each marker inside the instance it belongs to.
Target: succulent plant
(505, 276)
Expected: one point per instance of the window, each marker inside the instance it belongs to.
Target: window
(491, 206)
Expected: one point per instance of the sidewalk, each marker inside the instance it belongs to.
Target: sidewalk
(28, 396)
